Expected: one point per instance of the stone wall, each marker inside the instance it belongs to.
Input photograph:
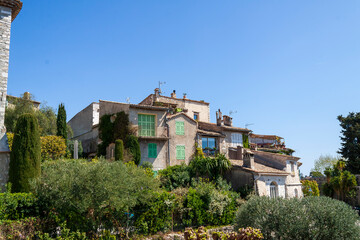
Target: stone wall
(5, 27)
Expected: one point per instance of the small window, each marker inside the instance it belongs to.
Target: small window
(180, 128)
(196, 116)
(152, 150)
(180, 152)
(273, 190)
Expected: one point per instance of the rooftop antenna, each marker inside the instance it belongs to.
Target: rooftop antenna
(161, 83)
(232, 112)
(128, 100)
(248, 124)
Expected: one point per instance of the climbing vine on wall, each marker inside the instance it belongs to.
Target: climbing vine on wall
(246, 141)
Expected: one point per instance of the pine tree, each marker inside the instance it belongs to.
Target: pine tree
(132, 143)
(61, 122)
(25, 158)
(350, 145)
(119, 150)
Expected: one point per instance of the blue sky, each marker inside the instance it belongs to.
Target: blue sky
(288, 67)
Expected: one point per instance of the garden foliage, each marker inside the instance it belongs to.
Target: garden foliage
(90, 195)
(132, 144)
(119, 150)
(307, 218)
(26, 154)
(175, 176)
(310, 188)
(61, 125)
(52, 147)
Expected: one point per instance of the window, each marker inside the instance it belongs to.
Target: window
(180, 152)
(146, 125)
(292, 167)
(196, 116)
(209, 145)
(236, 139)
(180, 128)
(273, 190)
(152, 150)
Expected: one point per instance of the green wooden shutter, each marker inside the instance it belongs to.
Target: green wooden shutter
(180, 130)
(146, 125)
(152, 150)
(180, 152)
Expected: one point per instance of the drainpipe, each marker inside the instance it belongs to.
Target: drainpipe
(168, 135)
(255, 183)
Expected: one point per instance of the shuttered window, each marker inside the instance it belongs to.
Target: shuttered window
(152, 150)
(146, 125)
(180, 152)
(180, 130)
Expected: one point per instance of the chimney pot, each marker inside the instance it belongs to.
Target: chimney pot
(173, 94)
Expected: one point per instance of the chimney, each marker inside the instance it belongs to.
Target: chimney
(157, 94)
(227, 120)
(184, 95)
(218, 118)
(249, 160)
(26, 95)
(239, 153)
(173, 94)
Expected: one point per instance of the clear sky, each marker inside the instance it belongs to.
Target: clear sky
(287, 67)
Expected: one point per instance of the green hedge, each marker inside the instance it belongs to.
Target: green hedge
(15, 206)
(306, 218)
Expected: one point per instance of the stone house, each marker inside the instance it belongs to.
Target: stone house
(169, 129)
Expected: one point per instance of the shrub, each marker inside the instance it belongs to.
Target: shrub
(92, 195)
(132, 143)
(52, 147)
(207, 203)
(61, 123)
(10, 137)
(25, 157)
(175, 176)
(119, 150)
(156, 214)
(306, 218)
(310, 188)
(19, 229)
(210, 167)
(15, 206)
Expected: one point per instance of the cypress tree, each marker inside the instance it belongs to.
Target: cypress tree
(119, 150)
(132, 143)
(61, 122)
(25, 157)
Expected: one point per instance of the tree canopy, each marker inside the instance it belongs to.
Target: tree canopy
(350, 141)
(323, 162)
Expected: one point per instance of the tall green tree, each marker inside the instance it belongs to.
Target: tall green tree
(350, 141)
(61, 122)
(25, 158)
(45, 115)
(323, 162)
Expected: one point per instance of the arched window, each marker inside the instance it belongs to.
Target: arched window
(296, 193)
(273, 190)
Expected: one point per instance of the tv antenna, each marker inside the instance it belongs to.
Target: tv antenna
(232, 112)
(128, 100)
(248, 124)
(160, 84)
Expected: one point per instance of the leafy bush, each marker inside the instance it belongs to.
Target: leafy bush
(156, 214)
(310, 188)
(10, 137)
(52, 147)
(175, 176)
(206, 203)
(306, 218)
(15, 206)
(92, 195)
(132, 143)
(26, 153)
(18, 229)
(119, 150)
(210, 167)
